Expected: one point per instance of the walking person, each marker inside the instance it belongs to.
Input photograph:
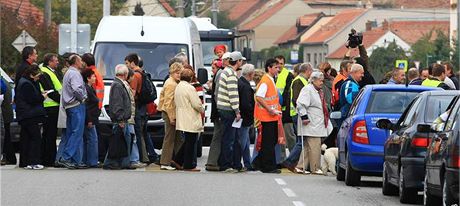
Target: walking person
(314, 117)
(188, 110)
(9, 156)
(90, 137)
(30, 114)
(247, 102)
(172, 140)
(50, 84)
(229, 111)
(268, 111)
(120, 111)
(73, 98)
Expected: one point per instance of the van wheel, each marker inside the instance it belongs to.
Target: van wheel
(406, 195)
(352, 177)
(387, 188)
(429, 199)
(340, 171)
(447, 198)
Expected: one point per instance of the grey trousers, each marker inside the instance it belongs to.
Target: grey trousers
(172, 141)
(214, 150)
(290, 135)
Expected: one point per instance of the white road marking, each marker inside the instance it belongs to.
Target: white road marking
(289, 192)
(280, 181)
(298, 203)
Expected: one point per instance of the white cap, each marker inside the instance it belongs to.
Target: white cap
(236, 55)
(226, 55)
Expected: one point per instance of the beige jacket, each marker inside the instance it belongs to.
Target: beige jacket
(188, 108)
(166, 103)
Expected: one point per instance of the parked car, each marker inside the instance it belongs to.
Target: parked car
(443, 161)
(405, 149)
(359, 141)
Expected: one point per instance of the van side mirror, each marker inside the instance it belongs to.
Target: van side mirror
(202, 75)
(384, 124)
(247, 53)
(424, 128)
(336, 115)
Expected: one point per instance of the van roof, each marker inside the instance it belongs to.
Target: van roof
(156, 29)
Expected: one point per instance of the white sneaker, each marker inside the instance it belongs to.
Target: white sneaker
(318, 172)
(38, 167)
(29, 167)
(167, 167)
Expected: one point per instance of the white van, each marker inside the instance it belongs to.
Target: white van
(155, 39)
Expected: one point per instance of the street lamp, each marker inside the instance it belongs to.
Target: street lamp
(427, 59)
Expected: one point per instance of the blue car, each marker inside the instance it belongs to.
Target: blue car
(359, 140)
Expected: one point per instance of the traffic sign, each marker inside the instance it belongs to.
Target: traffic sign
(23, 40)
(403, 64)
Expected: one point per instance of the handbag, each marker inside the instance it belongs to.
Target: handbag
(281, 135)
(117, 144)
(151, 109)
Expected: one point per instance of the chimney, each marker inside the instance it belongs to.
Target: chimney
(368, 25)
(385, 25)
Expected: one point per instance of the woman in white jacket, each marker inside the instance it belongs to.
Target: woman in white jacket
(314, 122)
(188, 120)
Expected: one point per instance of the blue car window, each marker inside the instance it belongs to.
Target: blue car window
(435, 106)
(389, 102)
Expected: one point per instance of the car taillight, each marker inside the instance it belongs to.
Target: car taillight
(420, 142)
(360, 133)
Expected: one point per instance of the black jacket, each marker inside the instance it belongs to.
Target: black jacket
(214, 112)
(47, 84)
(20, 70)
(7, 107)
(287, 99)
(455, 80)
(119, 102)
(29, 101)
(247, 102)
(92, 106)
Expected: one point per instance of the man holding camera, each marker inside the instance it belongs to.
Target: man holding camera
(356, 40)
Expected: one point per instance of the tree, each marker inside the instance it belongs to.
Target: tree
(383, 59)
(138, 10)
(456, 55)
(428, 51)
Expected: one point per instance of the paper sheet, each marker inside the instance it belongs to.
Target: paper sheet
(237, 124)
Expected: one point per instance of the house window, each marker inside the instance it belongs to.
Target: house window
(251, 44)
(315, 60)
(308, 57)
(320, 57)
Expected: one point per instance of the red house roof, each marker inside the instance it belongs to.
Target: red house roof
(394, 3)
(305, 21)
(264, 15)
(370, 37)
(412, 31)
(336, 24)
(23, 9)
(242, 9)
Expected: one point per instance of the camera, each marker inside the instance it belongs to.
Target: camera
(354, 39)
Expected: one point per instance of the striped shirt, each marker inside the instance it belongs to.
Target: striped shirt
(227, 98)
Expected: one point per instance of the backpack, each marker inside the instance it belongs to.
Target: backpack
(148, 91)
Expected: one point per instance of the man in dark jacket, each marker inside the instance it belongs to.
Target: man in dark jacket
(29, 56)
(362, 60)
(119, 113)
(246, 95)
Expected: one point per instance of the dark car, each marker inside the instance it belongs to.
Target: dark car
(443, 161)
(359, 141)
(405, 149)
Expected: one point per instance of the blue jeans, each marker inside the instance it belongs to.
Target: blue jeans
(294, 155)
(90, 154)
(134, 154)
(73, 149)
(228, 140)
(122, 162)
(243, 149)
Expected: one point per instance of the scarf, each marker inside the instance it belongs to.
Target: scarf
(325, 112)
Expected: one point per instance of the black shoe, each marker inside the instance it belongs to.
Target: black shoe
(111, 167)
(275, 171)
(67, 164)
(82, 166)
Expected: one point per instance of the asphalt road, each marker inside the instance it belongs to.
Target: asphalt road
(152, 186)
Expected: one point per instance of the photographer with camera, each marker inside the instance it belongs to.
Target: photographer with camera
(356, 40)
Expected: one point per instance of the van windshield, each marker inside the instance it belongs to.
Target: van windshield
(208, 50)
(390, 101)
(154, 55)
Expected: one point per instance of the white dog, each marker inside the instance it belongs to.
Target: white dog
(329, 158)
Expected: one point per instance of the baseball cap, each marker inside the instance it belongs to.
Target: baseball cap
(236, 55)
(226, 55)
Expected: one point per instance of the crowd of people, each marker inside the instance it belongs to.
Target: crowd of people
(288, 110)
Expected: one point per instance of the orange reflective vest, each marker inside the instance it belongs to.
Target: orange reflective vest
(271, 99)
(99, 85)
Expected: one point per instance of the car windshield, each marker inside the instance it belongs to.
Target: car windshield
(389, 101)
(435, 106)
(208, 50)
(155, 56)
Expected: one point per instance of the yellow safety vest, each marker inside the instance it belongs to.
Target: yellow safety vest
(431, 82)
(57, 86)
(305, 82)
(281, 82)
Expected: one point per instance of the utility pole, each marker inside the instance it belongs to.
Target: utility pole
(106, 8)
(73, 25)
(458, 31)
(47, 14)
(214, 11)
(193, 7)
(180, 8)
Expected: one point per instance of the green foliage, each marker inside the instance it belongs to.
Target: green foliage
(456, 55)
(429, 51)
(383, 59)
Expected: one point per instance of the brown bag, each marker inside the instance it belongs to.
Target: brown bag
(281, 135)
